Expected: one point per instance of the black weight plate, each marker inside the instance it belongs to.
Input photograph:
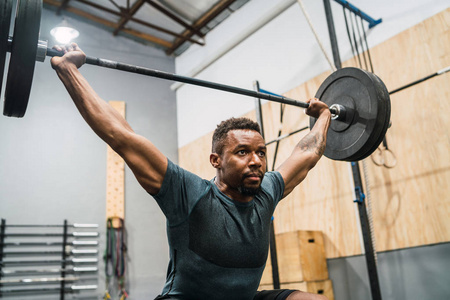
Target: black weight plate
(23, 57)
(368, 118)
(378, 131)
(5, 21)
(385, 117)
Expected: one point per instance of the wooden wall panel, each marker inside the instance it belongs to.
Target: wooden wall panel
(410, 202)
(412, 205)
(115, 178)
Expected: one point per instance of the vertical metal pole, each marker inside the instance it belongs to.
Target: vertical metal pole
(2, 239)
(365, 228)
(272, 241)
(259, 117)
(63, 262)
(332, 33)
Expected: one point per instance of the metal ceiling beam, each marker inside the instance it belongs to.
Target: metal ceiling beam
(121, 14)
(174, 17)
(106, 23)
(130, 13)
(62, 6)
(201, 22)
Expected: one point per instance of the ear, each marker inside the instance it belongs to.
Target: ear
(215, 160)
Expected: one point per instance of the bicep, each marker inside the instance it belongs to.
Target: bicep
(146, 162)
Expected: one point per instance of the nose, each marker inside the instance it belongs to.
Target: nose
(256, 160)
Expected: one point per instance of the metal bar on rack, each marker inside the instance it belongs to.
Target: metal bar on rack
(75, 225)
(72, 234)
(70, 252)
(32, 244)
(72, 289)
(49, 262)
(73, 270)
(32, 281)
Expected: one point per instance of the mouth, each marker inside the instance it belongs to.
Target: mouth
(253, 176)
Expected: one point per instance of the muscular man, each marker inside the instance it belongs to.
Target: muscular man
(218, 230)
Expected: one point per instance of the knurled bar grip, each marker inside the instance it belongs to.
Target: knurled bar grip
(170, 76)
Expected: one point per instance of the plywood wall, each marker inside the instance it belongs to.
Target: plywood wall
(411, 202)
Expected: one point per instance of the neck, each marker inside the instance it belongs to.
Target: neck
(233, 193)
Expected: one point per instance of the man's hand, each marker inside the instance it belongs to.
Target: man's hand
(316, 108)
(72, 55)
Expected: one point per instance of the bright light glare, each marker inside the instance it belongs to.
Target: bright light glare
(64, 35)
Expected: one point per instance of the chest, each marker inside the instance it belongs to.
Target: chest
(228, 235)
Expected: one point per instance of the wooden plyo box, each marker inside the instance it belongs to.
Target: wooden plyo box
(301, 257)
(266, 278)
(322, 287)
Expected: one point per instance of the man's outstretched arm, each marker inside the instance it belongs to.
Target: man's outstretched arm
(144, 159)
(309, 150)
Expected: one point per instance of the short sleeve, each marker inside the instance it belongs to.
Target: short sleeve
(179, 193)
(273, 184)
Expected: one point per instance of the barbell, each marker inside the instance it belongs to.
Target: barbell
(358, 100)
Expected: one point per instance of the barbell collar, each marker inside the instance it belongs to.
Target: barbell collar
(41, 51)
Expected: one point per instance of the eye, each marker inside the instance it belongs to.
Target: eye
(262, 153)
(242, 152)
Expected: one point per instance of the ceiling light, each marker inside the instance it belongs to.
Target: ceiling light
(64, 33)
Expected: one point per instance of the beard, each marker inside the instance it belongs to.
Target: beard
(248, 191)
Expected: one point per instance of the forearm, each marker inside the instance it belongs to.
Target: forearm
(315, 141)
(100, 116)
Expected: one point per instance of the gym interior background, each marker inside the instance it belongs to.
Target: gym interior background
(53, 167)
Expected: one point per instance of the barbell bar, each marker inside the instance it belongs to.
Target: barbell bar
(358, 100)
(43, 51)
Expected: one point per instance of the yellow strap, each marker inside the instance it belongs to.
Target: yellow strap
(106, 296)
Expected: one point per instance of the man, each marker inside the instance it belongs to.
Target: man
(218, 230)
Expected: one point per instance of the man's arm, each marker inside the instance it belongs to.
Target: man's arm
(145, 160)
(309, 150)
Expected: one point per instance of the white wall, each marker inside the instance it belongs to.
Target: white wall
(281, 55)
(53, 167)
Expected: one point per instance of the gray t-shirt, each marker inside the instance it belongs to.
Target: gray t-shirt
(218, 246)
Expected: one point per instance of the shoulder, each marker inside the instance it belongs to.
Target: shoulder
(273, 183)
(273, 177)
(181, 181)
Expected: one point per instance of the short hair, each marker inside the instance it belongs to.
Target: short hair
(221, 132)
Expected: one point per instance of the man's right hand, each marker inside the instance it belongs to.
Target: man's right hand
(316, 108)
(72, 55)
